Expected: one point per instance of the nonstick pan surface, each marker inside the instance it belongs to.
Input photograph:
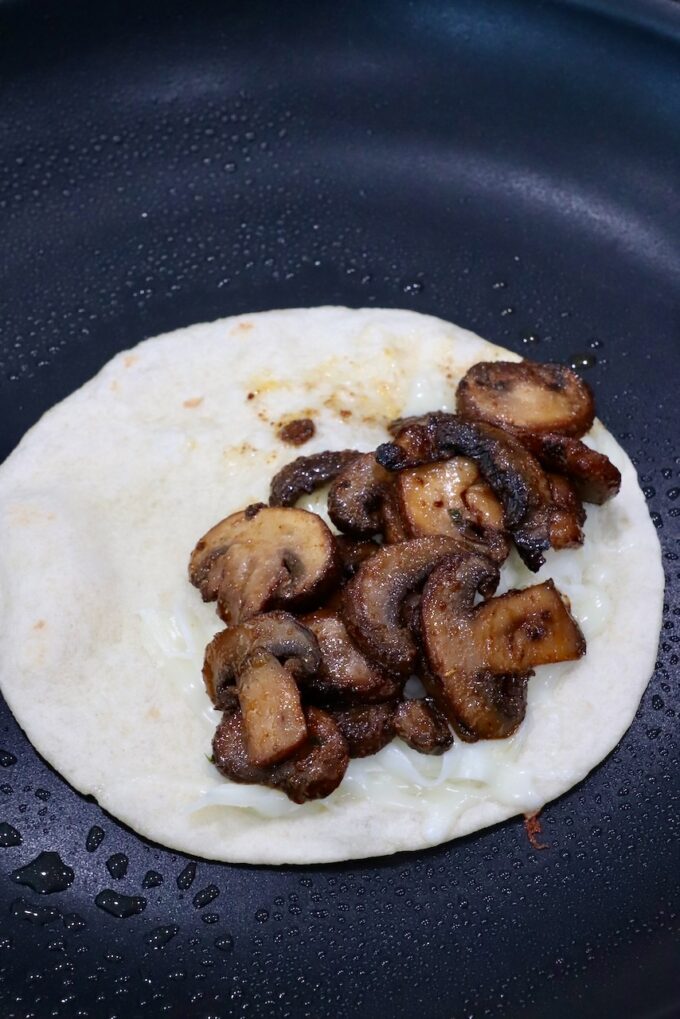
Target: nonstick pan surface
(511, 166)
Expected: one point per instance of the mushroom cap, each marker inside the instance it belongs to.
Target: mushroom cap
(452, 498)
(480, 657)
(527, 396)
(275, 633)
(355, 497)
(264, 558)
(372, 600)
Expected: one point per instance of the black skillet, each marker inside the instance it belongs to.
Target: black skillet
(512, 166)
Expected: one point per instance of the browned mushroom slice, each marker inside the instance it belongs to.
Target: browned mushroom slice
(451, 498)
(306, 474)
(356, 496)
(345, 673)
(480, 657)
(372, 601)
(366, 728)
(526, 395)
(393, 526)
(568, 516)
(275, 633)
(515, 476)
(422, 726)
(313, 772)
(264, 558)
(593, 475)
(251, 655)
(273, 720)
(353, 552)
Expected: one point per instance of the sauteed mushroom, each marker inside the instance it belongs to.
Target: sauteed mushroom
(306, 474)
(252, 656)
(356, 496)
(526, 395)
(451, 498)
(345, 673)
(422, 726)
(276, 633)
(372, 601)
(264, 558)
(313, 772)
(593, 475)
(367, 728)
(480, 657)
(515, 476)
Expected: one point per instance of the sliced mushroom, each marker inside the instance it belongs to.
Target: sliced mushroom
(568, 516)
(353, 552)
(422, 726)
(515, 476)
(480, 657)
(345, 673)
(265, 558)
(356, 496)
(526, 395)
(273, 719)
(372, 601)
(306, 474)
(366, 728)
(451, 498)
(251, 656)
(315, 770)
(275, 633)
(593, 475)
(393, 526)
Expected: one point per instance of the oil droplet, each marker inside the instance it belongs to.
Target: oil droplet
(262, 916)
(117, 865)
(413, 287)
(119, 905)
(673, 493)
(205, 896)
(94, 839)
(40, 915)
(46, 874)
(9, 836)
(152, 879)
(7, 759)
(74, 922)
(160, 936)
(507, 311)
(531, 339)
(225, 944)
(42, 794)
(186, 878)
(211, 918)
(499, 285)
(582, 361)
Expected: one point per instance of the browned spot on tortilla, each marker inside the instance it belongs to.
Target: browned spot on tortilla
(345, 413)
(193, 401)
(242, 327)
(297, 432)
(39, 625)
(251, 396)
(153, 712)
(114, 386)
(129, 360)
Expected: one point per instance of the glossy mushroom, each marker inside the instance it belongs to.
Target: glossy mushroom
(481, 656)
(528, 396)
(265, 558)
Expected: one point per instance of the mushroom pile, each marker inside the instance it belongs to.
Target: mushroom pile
(323, 630)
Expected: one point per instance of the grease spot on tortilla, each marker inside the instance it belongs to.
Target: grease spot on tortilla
(39, 625)
(130, 360)
(194, 401)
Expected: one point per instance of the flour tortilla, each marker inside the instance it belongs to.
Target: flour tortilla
(101, 636)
